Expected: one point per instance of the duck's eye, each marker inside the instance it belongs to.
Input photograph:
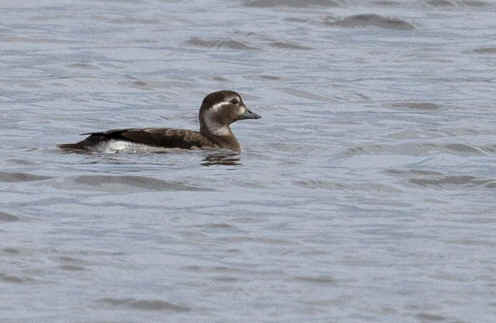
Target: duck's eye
(234, 101)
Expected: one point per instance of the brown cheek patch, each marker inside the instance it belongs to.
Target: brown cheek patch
(234, 115)
(226, 116)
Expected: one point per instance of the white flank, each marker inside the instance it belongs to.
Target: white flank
(116, 146)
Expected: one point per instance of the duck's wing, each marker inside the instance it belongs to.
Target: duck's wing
(158, 137)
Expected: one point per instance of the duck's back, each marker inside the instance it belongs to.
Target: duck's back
(126, 139)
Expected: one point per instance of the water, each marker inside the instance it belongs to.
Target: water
(364, 194)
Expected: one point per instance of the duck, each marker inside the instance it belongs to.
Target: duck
(217, 112)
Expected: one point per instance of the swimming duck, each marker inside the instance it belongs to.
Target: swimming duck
(218, 110)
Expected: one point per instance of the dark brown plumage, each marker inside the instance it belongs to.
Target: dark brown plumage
(217, 112)
(156, 137)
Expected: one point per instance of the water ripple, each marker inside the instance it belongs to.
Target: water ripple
(340, 186)
(219, 43)
(418, 149)
(485, 50)
(425, 106)
(144, 305)
(320, 280)
(125, 184)
(5, 217)
(365, 20)
(434, 179)
(291, 3)
(14, 279)
(21, 177)
(288, 45)
(448, 181)
(429, 317)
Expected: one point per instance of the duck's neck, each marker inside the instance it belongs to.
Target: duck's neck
(221, 136)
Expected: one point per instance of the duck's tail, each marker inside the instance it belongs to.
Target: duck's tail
(84, 145)
(72, 147)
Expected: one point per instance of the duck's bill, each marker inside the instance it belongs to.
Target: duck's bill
(249, 115)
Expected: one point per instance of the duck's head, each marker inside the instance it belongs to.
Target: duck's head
(219, 110)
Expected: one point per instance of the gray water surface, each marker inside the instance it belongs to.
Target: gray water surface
(364, 194)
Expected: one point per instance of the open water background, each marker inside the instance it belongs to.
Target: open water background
(365, 194)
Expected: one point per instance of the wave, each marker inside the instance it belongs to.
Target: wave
(367, 20)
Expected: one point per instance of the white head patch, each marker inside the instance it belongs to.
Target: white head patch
(216, 107)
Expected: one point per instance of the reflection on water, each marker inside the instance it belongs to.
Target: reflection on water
(215, 157)
(222, 158)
